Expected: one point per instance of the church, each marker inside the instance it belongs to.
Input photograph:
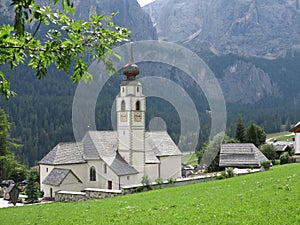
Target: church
(113, 159)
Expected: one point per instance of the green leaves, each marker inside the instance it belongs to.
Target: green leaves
(68, 42)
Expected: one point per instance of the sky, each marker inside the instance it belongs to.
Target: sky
(144, 2)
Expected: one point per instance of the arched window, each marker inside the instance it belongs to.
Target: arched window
(137, 105)
(123, 105)
(137, 89)
(92, 174)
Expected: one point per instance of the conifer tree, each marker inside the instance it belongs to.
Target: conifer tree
(32, 189)
(240, 130)
(9, 167)
(256, 135)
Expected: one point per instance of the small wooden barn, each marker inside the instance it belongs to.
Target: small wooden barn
(241, 155)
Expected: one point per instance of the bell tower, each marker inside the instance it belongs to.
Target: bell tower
(131, 107)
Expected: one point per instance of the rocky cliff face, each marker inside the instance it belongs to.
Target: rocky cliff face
(244, 82)
(244, 27)
(129, 15)
(257, 34)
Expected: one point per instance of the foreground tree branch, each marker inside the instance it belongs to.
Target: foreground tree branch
(63, 46)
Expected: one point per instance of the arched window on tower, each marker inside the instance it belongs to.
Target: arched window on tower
(138, 105)
(92, 174)
(123, 106)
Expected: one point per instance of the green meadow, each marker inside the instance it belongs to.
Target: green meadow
(271, 197)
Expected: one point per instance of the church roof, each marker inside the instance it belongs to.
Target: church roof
(241, 155)
(121, 167)
(57, 176)
(64, 153)
(103, 145)
(161, 144)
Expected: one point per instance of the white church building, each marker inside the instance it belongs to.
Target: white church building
(113, 159)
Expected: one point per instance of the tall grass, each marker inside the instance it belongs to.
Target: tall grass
(271, 197)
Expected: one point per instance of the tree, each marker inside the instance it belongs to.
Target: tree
(209, 156)
(32, 189)
(240, 130)
(256, 135)
(65, 43)
(9, 167)
(269, 151)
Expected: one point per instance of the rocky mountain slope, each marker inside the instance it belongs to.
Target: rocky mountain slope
(241, 40)
(244, 27)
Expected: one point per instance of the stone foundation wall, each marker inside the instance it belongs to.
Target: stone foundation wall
(93, 193)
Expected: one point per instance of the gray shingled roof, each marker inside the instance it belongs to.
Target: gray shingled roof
(57, 176)
(121, 167)
(282, 147)
(64, 153)
(161, 144)
(103, 145)
(240, 155)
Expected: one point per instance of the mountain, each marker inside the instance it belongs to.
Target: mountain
(251, 46)
(244, 27)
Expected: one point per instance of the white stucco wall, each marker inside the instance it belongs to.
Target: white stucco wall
(297, 143)
(82, 171)
(44, 172)
(129, 180)
(152, 171)
(170, 167)
(70, 183)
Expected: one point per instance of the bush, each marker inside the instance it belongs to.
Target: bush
(266, 165)
(172, 181)
(284, 158)
(227, 173)
(146, 182)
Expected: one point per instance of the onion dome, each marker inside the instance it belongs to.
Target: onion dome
(131, 70)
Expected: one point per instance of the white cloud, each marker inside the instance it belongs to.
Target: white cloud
(144, 2)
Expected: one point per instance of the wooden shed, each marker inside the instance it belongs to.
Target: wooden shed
(241, 155)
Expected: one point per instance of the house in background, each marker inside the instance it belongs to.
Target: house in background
(113, 159)
(241, 155)
(282, 147)
(296, 130)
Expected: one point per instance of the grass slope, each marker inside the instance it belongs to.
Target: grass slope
(281, 136)
(272, 197)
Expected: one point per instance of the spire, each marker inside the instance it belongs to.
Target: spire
(131, 70)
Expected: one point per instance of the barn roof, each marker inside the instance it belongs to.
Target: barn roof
(241, 155)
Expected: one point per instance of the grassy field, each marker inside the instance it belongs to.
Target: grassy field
(271, 197)
(281, 136)
(189, 158)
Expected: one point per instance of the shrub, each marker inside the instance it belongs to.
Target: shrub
(172, 181)
(223, 175)
(266, 165)
(284, 158)
(227, 173)
(146, 182)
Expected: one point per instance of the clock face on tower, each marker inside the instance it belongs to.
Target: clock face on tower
(123, 116)
(137, 116)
